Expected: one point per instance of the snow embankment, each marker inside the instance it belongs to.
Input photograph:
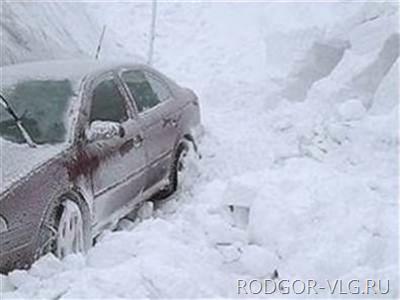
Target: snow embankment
(328, 205)
(32, 31)
(40, 31)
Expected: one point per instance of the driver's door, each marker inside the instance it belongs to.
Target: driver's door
(120, 174)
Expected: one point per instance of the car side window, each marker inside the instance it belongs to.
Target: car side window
(141, 90)
(107, 103)
(159, 87)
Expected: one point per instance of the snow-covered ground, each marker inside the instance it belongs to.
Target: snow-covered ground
(299, 168)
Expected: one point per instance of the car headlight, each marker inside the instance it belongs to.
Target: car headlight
(3, 225)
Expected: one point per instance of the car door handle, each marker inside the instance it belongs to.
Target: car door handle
(170, 122)
(126, 147)
(138, 141)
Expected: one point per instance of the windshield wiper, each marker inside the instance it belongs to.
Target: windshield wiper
(18, 121)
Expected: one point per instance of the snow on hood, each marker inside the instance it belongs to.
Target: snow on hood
(17, 160)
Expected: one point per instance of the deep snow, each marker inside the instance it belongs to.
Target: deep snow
(300, 109)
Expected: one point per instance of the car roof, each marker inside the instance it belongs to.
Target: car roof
(74, 70)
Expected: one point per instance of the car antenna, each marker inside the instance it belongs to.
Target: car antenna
(152, 35)
(17, 120)
(100, 42)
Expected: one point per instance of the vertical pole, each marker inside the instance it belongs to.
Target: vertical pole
(100, 42)
(152, 33)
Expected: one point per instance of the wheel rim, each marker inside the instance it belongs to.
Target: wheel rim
(70, 230)
(180, 167)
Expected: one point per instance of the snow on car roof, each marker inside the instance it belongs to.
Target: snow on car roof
(74, 70)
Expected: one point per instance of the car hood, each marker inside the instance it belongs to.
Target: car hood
(18, 160)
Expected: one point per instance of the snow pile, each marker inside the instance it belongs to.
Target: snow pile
(332, 191)
(300, 155)
(52, 30)
(37, 31)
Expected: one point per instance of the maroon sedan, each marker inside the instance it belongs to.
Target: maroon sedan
(82, 144)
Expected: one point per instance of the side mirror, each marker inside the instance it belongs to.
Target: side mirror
(104, 130)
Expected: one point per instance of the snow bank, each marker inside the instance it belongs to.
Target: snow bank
(335, 193)
(37, 31)
(54, 30)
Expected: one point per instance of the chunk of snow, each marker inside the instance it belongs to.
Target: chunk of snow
(352, 110)
(5, 285)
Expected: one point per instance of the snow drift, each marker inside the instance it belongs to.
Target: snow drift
(31, 31)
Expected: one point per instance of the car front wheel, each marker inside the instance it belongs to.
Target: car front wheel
(64, 230)
(70, 233)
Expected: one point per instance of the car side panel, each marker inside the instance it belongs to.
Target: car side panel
(121, 174)
(190, 111)
(157, 154)
(24, 206)
(118, 165)
(186, 105)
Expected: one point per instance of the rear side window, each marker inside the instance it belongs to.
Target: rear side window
(108, 103)
(159, 87)
(141, 89)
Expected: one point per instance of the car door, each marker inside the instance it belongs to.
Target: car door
(120, 175)
(149, 110)
(169, 110)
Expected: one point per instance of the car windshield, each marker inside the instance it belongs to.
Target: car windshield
(41, 105)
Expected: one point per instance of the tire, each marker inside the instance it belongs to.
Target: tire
(173, 177)
(65, 229)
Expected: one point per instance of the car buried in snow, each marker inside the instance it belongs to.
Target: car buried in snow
(82, 144)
